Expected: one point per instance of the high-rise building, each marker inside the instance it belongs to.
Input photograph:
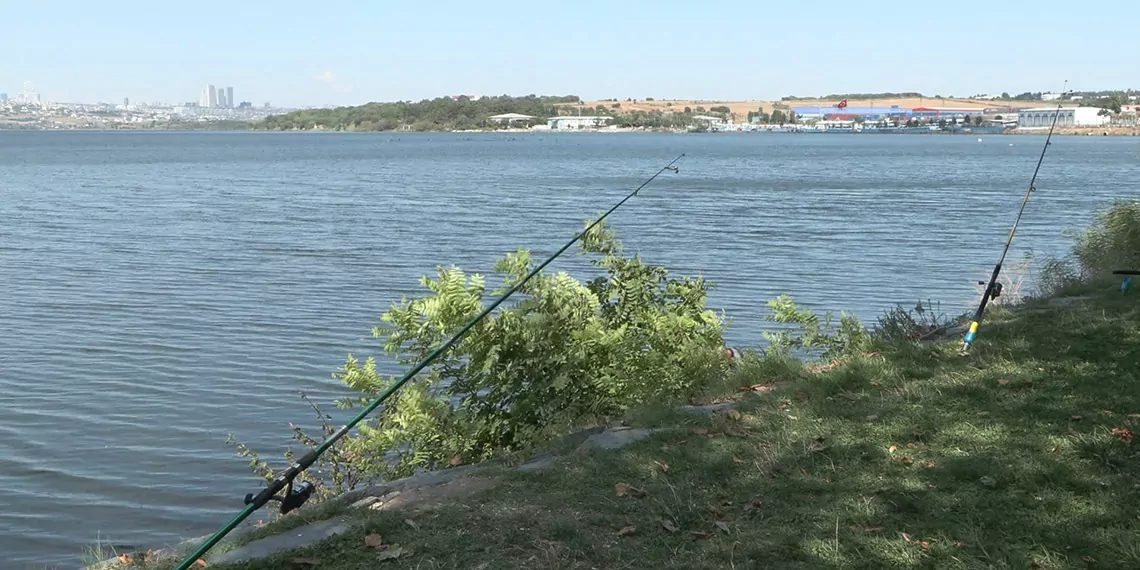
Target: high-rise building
(221, 97)
(126, 102)
(211, 97)
(230, 97)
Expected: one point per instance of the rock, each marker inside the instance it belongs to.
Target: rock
(289, 540)
(614, 438)
(542, 462)
(710, 408)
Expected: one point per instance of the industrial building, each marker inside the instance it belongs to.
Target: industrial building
(1066, 117)
(577, 122)
(849, 112)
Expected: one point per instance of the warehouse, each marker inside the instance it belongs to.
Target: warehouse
(1042, 117)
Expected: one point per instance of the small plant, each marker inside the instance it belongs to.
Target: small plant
(911, 324)
(810, 335)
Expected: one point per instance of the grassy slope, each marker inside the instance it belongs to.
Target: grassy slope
(1004, 459)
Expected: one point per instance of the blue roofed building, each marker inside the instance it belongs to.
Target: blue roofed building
(851, 112)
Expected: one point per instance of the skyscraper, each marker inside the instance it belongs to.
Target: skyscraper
(230, 97)
(221, 98)
(211, 97)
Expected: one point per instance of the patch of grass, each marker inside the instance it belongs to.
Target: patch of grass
(1018, 456)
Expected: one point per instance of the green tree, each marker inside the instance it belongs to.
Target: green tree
(978, 120)
(778, 117)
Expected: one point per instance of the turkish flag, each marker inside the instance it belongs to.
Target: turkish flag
(843, 103)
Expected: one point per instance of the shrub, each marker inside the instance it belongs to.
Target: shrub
(566, 353)
(1110, 243)
(899, 324)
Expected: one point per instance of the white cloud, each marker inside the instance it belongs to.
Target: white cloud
(327, 77)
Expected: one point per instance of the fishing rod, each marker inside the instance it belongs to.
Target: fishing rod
(294, 497)
(993, 288)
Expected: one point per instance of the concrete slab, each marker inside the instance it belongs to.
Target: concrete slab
(618, 437)
(289, 540)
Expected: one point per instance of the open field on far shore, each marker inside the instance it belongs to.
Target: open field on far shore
(742, 107)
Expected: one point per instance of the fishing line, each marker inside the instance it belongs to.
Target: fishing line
(295, 497)
(993, 288)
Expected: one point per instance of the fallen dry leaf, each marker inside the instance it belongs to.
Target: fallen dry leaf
(893, 448)
(758, 387)
(1034, 563)
(1075, 418)
(722, 526)
(390, 554)
(732, 414)
(663, 465)
(959, 544)
(455, 461)
(1056, 449)
(1134, 416)
(738, 460)
(927, 463)
(700, 430)
(125, 558)
(1123, 432)
(753, 505)
(625, 489)
(1106, 412)
(627, 530)
(669, 524)
(1089, 559)
(872, 528)
(1003, 381)
(906, 460)
(907, 537)
(306, 561)
(412, 524)
(374, 541)
(200, 562)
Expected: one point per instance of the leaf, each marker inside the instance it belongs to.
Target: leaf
(200, 562)
(664, 466)
(906, 460)
(733, 414)
(1002, 381)
(1124, 433)
(1075, 418)
(722, 526)
(669, 524)
(893, 448)
(738, 460)
(412, 524)
(625, 489)
(627, 530)
(374, 541)
(454, 461)
(390, 554)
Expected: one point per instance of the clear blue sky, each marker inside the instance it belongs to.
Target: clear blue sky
(334, 52)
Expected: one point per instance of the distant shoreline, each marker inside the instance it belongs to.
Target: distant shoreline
(1065, 131)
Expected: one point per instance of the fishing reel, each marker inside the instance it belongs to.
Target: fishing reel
(292, 499)
(675, 169)
(994, 292)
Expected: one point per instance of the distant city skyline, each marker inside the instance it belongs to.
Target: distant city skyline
(294, 55)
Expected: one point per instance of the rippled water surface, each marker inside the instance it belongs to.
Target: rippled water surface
(159, 291)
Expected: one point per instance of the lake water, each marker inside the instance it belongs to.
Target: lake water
(159, 291)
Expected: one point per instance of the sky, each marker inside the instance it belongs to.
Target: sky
(332, 52)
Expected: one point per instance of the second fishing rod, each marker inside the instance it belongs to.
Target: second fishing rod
(294, 497)
(993, 287)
